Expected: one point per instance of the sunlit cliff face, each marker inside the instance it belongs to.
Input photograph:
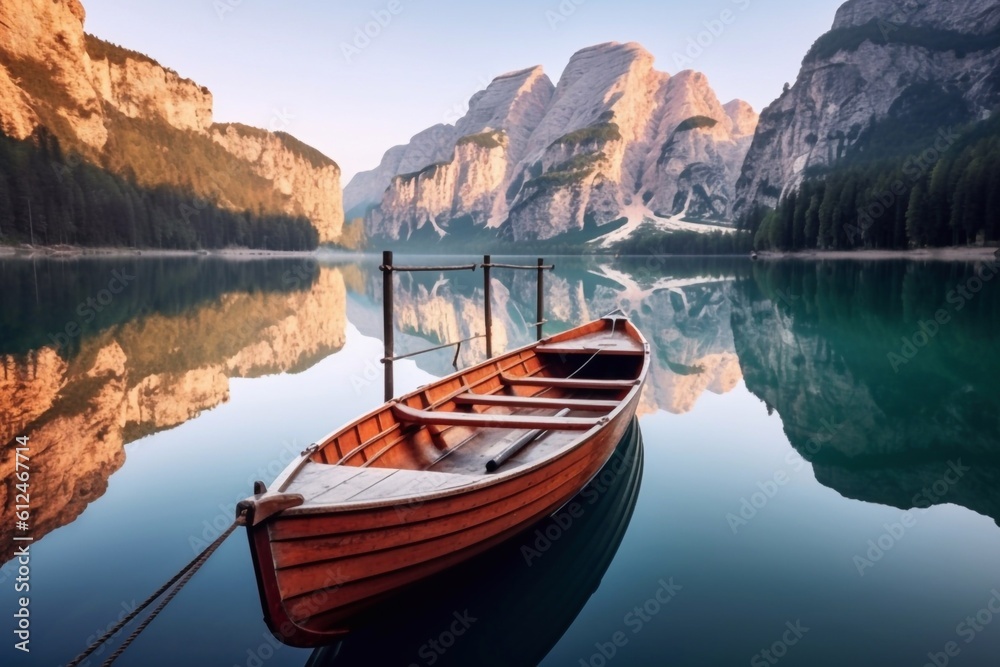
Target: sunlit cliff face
(144, 376)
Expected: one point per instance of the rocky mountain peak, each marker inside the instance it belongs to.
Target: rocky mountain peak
(885, 65)
(514, 103)
(88, 93)
(613, 135)
(969, 16)
(743, 116)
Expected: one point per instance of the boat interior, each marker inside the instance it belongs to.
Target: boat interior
(495, 417)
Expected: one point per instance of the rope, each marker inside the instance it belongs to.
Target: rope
(614, 322)
(183, 576)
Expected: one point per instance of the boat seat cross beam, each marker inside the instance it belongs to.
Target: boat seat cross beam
(566, 383)
(585, 405)
(405, 413)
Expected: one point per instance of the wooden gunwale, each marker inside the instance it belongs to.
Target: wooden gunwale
(318, 562)
(297, 580)
(328, 440)
(628, 400)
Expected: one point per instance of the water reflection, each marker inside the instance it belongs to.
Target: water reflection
(158, 354)
(511, 605)
(816, 343)
(681, 306)
(810, 339)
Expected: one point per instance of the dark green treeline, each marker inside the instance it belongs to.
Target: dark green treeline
(48, 197)
(945, 194)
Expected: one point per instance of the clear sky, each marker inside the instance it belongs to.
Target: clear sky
(284, 66)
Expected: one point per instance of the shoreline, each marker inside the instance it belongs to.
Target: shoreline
(24, 251)
(950, 254)
(77, 252)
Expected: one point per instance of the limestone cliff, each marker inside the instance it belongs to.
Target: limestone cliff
(427, 147)
(309, 181)
(84, 91)
(139, 87)
(614, 139)
(884, 64)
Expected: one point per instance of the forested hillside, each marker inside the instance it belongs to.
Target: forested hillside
(102, 145)
(48, 197)
(943, 193)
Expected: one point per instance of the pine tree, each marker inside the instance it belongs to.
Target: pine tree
(918, 217)
(7, 227)
(812, 221)
(786, 212)
(799, 215)
(991, 214)
(827, 209)
(974, 182)
(845, 212)
(763, 238)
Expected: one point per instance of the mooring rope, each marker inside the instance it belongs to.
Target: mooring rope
(611, 334)
(183, 577)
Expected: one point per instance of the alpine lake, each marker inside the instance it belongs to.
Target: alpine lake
(815, 477)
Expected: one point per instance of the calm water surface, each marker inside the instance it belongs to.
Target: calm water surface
(814, 479)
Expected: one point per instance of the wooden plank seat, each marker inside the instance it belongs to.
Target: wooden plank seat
(593, 343)
(407, 414)
(325, 484)
(586, 405)
(567, 383)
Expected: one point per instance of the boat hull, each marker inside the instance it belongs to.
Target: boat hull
(557, 564)
(317, 571)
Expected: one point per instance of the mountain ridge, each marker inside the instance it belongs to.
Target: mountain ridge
(598, 148)
(90, 94)
(882, 63)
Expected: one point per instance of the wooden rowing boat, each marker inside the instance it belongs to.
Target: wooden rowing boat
(439, 475)
(524, 594)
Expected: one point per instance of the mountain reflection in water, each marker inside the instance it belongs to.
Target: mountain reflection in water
(814, 342)
(154, 358)
(809, 339)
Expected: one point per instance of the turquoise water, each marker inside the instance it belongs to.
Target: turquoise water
(816, 481)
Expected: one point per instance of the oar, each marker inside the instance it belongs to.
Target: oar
(518, 445)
